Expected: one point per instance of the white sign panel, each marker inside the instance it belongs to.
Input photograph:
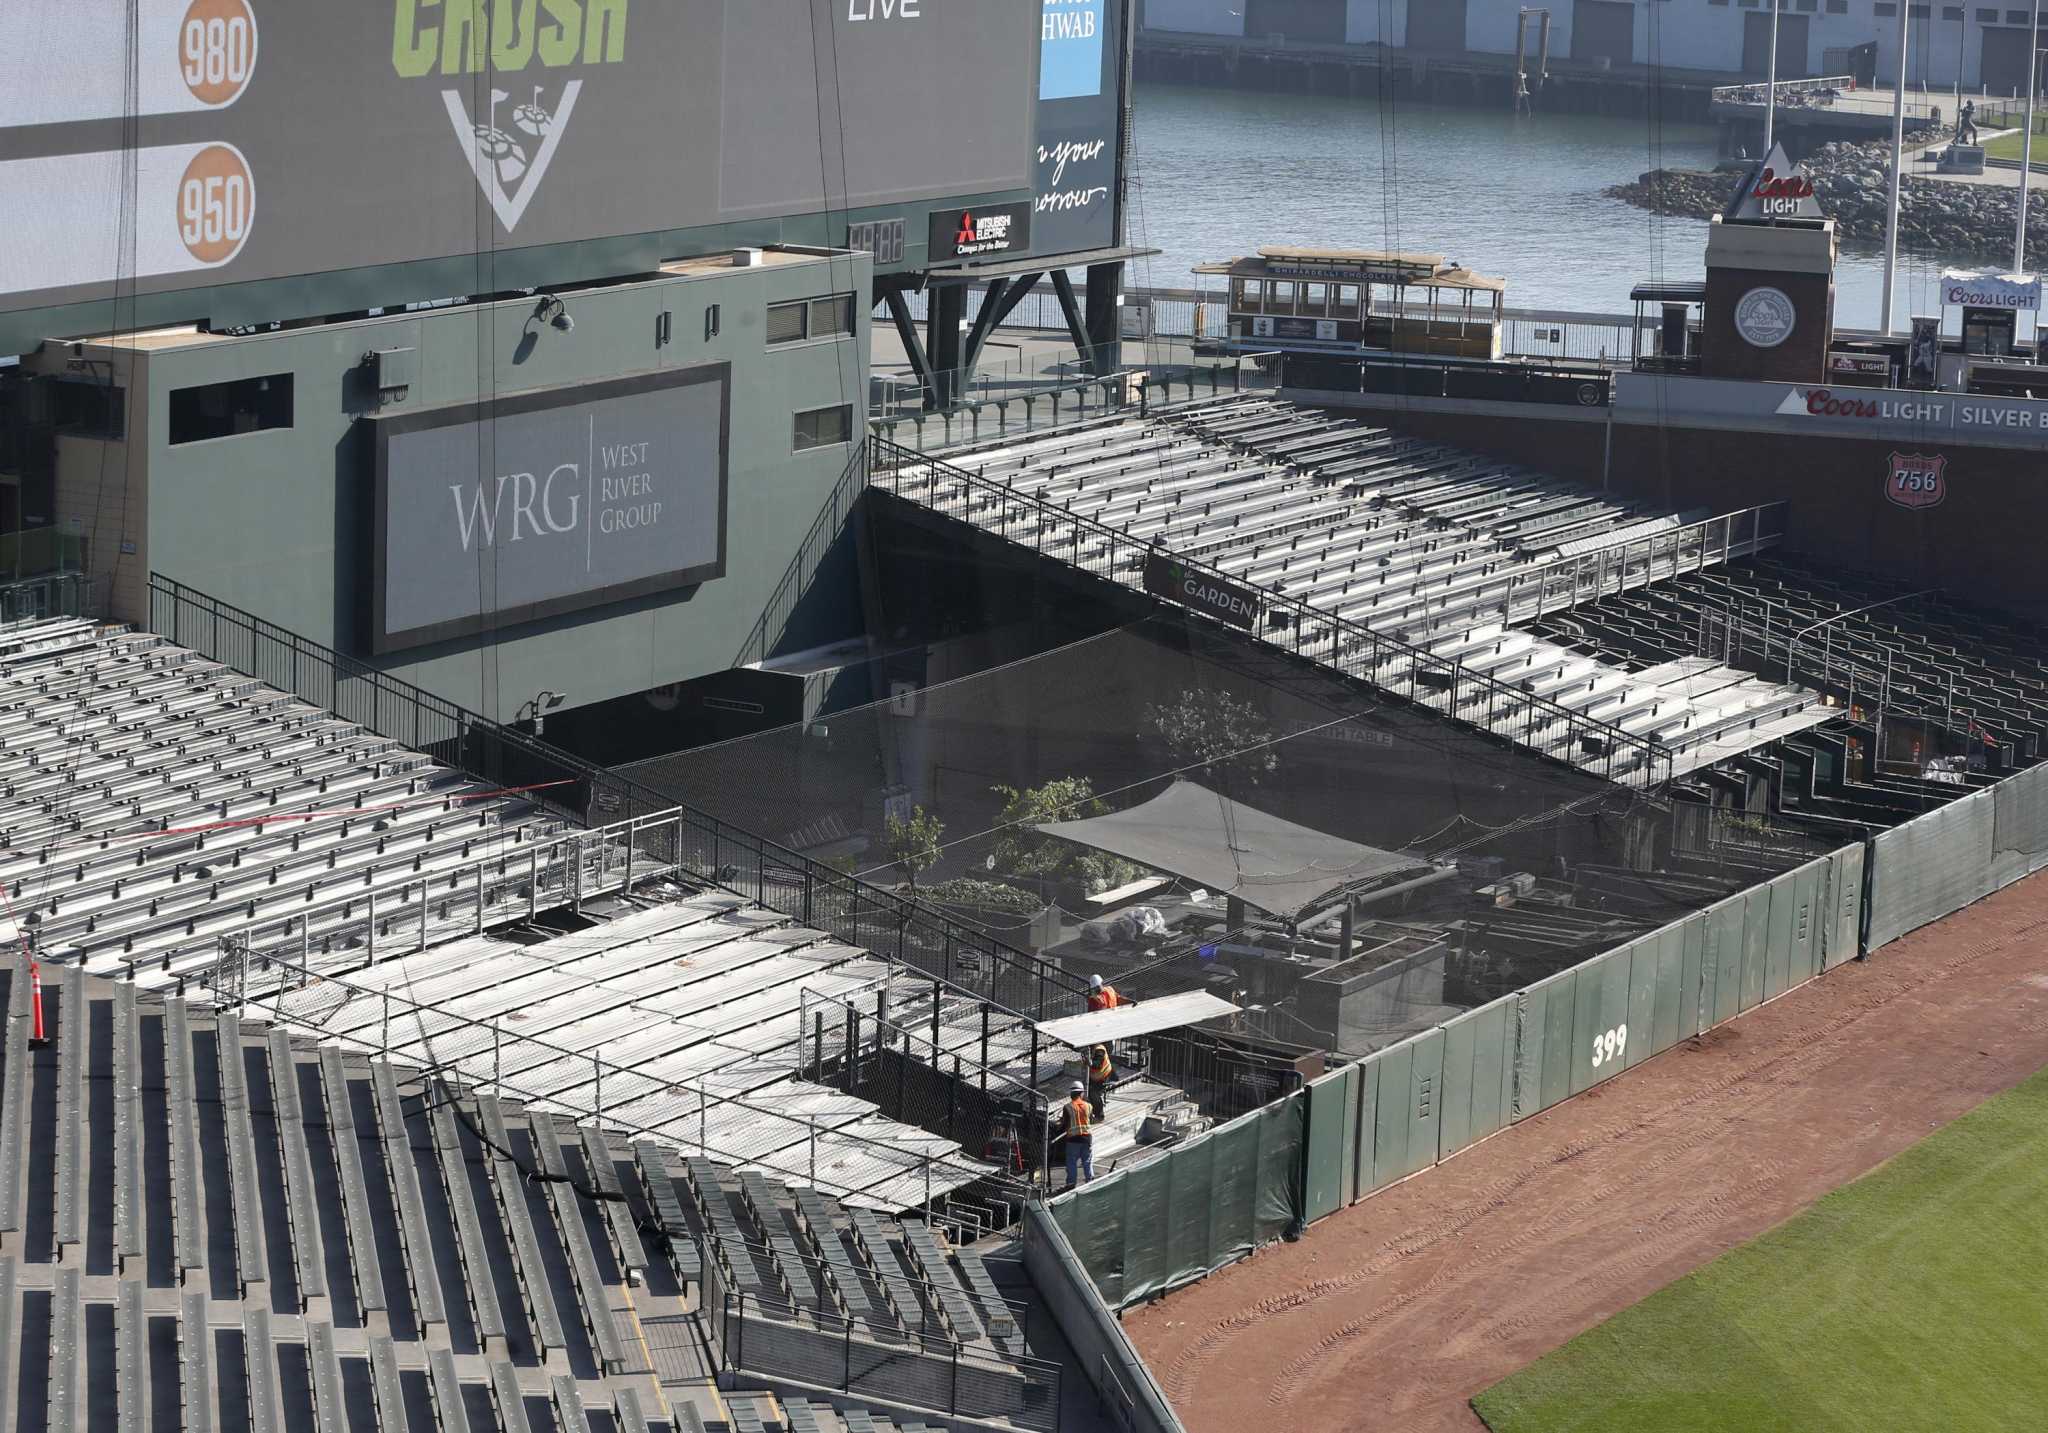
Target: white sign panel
(1964, 288)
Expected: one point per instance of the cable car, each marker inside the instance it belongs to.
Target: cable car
(1350, 301)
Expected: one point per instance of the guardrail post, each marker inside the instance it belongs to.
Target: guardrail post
(370, 944)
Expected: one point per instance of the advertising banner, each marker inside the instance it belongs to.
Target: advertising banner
(983, 232)
(1799, 408)
(166, 144)
(1170, 578)
(1972, 288)
(565, 500)
(1080, 70)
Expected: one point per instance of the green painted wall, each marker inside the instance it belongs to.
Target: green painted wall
(274, 521)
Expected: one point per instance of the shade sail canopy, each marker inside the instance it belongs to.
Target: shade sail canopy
(1234, 849)
(1127, 1022)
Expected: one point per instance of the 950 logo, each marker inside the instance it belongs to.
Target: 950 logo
(216, 204)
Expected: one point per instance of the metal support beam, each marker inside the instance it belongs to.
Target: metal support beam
(993, 307)
(1070, 309)
(1105, 317)
(945, 311)
(906, 330)
(1000, 302)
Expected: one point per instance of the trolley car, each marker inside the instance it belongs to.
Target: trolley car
(1342, 302)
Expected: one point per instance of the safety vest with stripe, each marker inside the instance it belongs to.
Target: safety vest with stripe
(1078, 1116)
(1105, 999)
(1099, 1068)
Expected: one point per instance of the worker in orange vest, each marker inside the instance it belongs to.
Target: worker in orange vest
(1104, 997)
(1100, 1072)
(1079, 1133)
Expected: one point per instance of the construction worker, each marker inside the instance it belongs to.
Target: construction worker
(1100, 1072)
(1078, 1130)
(1104, 997)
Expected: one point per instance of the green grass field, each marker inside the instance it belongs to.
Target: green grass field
(1915, 1298)
(2007, 146)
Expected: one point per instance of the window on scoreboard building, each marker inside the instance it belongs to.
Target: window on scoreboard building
(822, 427)
(224, 410)
(799, 320)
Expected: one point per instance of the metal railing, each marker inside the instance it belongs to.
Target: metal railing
(1526, 595)
(1063, 404)
(1172, 313)
(1293, 625)
(705, 848)
(1755, 91)
(54, 594)
(37, 551)
(407, 1030)
(775, 1338)
(850, 1032)
(773, 624)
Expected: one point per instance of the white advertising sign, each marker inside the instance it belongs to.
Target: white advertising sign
(1964, 288)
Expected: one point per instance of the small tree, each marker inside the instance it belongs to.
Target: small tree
(914, 844)
(1021, 851)
(1215, 731)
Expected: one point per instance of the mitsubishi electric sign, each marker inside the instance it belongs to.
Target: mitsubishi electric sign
(547, 503)
(152, 146)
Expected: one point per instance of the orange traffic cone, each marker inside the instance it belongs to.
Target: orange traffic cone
(35, 993)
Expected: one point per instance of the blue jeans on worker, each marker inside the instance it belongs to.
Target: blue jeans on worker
(1080, 1156)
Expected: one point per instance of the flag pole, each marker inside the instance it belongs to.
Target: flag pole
(1891, 227)
(2019, 242)
(1771, 86)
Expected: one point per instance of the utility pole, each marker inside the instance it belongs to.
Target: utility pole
(2019, 242)
(1771, 89)
(1891, 227)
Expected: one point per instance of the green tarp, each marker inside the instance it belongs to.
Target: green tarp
(1217, 1197)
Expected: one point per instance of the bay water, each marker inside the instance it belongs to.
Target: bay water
(1219, 172)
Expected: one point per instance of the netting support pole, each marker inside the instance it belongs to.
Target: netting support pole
(984, 1046)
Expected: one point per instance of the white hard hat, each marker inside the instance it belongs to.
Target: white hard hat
(1077, 1088)
(1096, 981)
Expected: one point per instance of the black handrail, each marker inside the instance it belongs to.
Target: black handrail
(718, 852)
(1349, 644)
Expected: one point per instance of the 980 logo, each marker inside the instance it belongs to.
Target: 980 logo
(217, 49)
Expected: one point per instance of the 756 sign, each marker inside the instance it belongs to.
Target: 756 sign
(1917, 480)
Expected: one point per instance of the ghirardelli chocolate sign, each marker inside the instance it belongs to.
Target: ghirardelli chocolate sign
(547, 503)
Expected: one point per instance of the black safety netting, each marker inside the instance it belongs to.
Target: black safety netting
(1484, 868)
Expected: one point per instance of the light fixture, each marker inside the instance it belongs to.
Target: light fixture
(551, 310)
(545, 702)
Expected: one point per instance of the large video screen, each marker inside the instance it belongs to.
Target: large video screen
(207, 142)
(546, 503)
(1080, 80)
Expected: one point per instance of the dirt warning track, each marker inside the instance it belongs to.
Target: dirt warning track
(1391, 1314)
